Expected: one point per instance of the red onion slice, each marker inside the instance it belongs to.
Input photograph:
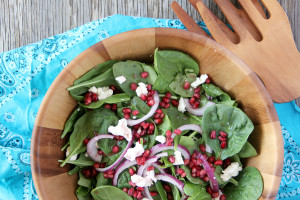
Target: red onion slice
(163, 147)
(92, 146)
(124, 165)
(171, 179)
(118, 160)
(131, 122)
(210, 173)
(149, 162)
(193, 127)
(198, 111)
(161, 170)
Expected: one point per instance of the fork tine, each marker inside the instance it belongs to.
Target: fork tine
(252, 12)
(188, 22)
(213, 26)
(234, 18)
(259, 8)
(273, 6)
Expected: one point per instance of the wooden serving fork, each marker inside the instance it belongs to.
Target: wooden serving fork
(266, 45)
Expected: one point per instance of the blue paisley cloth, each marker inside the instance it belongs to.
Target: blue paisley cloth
(27, 72)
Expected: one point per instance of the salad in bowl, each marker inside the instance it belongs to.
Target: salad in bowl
(158, 131)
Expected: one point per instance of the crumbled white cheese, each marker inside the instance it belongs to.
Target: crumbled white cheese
(145, 198)
(93, 90)
(151, 174)
(181, 105)
(178, 158)
(132, 153)
(121, 129)
(74, 157)
(141, 181)
(161, 139)
(199, 80)
(141, 89)
(121, 79)
(104, 92)
(231, 171)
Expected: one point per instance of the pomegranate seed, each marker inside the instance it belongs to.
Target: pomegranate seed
(133, 86)
(105, 175)
(151, 92)
(146, 125)
(137, 136)
(205, 178)
(186, 161)
(146, 153)
(102, 165)
(171, 159)
(223, 145)
(115, 149)
(168, 95)
(197, 89)
(167, 105)
(135, 112)
(139, 195)
(86, 141)
(100, 152)
(150, 132)
(130, 192)
(168, 133)
(159, 111)
(87, 100)
(158, 121)
(162, 104)
(131, 171)
(94, 97)
(186, 85)
(118, 138)
(174, 102)
(141, 189)
(213, 135)
(209, 190)
(223, 139)
(150, 168)
(205, 156)
(223, 134)
(144, 74)
(202, 172)
(150, 102)
(215, 195)
(208, 81)
(194, 175)
(180, 171)
(156, 116)
(167, 188)
(135, 193)
(151, 126)
(112, 87)
(222, 197)
(194, 155)
(126, 116)
(153, 193)
(150, 97)
(149, 87)
(197, 96)
(107, 106)
(143, 97)
(170, 196)
(218, 162)
(196, 105)
(177, 131)
(194, 169)
(114, 107)
(211, 159)
(94, 172)
(202, 147)
(126, 110)
(110, 172)
(96, 165)
(192, 100)
(166, 100)
(227, 162)
(125, 190)
(131, 183)
(183, 175)
(88, 94)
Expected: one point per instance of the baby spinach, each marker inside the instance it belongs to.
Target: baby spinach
(247, 151)
(107, 192)
(196, 192)
(75, 170)
(152, 74)
(175, 192)
(250, 185)
(112, 99)
(194, 180)
(102, 181)
(82, 193)
(106, 146)
(177, 118)
(97, 120)
(69, 125)
(123, 179)
(218, 95)
(161, 85)
(189, 143)
(82, 161)
(177, 84)
(160, 189)
(140, 105)
(233, 121)
(222, 184)
(163, 127)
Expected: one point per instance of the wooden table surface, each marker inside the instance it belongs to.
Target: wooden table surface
(26, 21)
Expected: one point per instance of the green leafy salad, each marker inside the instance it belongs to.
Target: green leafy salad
(160, 131)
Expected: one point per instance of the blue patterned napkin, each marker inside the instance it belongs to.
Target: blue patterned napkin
(26, 74)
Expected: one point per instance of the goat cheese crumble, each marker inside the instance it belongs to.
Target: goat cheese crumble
(74, 157)
(178, 158)
(231, 171)
(161, 139)
(102, 92)
(199, 80)
(144, 181)
(181, 105)
(121, 79)
(132, 153)
(141, 89)
(121, 130)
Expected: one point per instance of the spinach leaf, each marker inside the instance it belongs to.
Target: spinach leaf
(112, 99)
(140, 105)
(106, 146)
(82, 161)
(69, 125)
(132, 71)
(177, 84)
(160, 189)
(250, 185)
(97, 120)
(83, 193)
(233, 121)
(102, 181)
(247, 151)
(222, 184)
(152, 74)
(74, 170)
(105, 79)
(236, 158)
(163, 127)
(175, 192)
(85, 182)
(177, 118)
(109, 193)
(168, 63)
(161, 85)
(218, 94)
(123, 179)
(190, 178)
(189, 143)
(196, 192)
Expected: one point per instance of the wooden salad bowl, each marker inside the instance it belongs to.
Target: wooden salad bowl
(226, 70)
